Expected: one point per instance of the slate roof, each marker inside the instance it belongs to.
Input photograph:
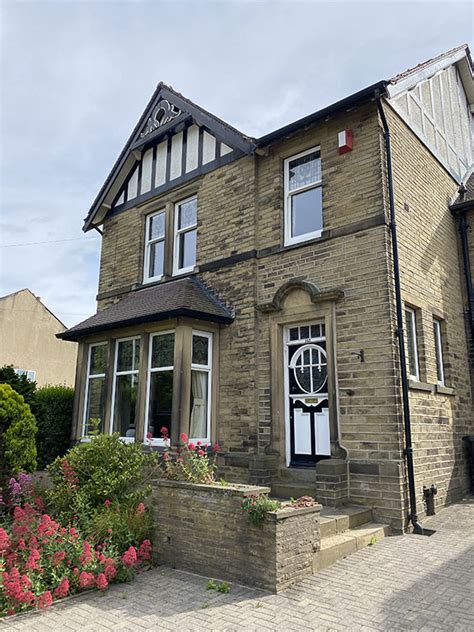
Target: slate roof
(465, 198)
(181, 297)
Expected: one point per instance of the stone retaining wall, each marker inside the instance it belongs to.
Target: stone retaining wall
(202, 529)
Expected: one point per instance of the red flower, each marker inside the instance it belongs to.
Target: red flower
(144, 552)
(86, 580)
(107, 503)
(164, 432)
(86, 556)
(129, 558)
(4, 541)
(184, 437)
(166, 456)
(149, 435)
(110, 571)
(201, 453)
(101, 582)
(63, 589)
(140, 509)
(216, 447)
(58, 557)
(45, 600)
(199, 442)
(191, 447)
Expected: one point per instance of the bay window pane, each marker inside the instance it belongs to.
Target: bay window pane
(199, 404)
(128, 355)
(200, 350)
(187, 214)
(306, 212)
(126, 391)
(157, 251)
(187, 249)
(160, 403)
(95, 407)
(98, 359)
(162, 353)
(304, 171)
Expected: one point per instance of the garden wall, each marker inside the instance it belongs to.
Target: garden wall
(203, 529)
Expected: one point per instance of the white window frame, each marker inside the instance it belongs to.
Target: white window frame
(150, 370)
(115, 375)
(88, 378)
(289, 239)
(205, 368)
(438, 336)
(178, 232)
(412, 314)
(148, 245)
(29, 373)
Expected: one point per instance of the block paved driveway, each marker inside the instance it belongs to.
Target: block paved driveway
(402, 583)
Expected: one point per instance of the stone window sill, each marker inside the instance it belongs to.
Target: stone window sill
(421, 386)
(445, 390)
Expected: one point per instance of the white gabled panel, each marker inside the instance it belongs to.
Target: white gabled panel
(133, 185)
(208, 148)
(176, 155)
(147, 165)
(225, 149)
(160, 174)
(192, 148)
(121, 199)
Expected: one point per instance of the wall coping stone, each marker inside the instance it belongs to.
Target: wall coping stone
(232, 489)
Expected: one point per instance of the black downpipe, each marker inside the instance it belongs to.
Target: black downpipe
(417, 528)
(467, 270)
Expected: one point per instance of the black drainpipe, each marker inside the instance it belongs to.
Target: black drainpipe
(467, 270)
(417, 528)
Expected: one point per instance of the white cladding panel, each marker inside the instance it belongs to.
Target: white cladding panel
(133, 185)
(209, 148)
(146, 171)
(176, 155)
(192, 148)
(323, 441)
(302, 429)
(438, 111)
(160, 175)
(225, 149)
(121, 199)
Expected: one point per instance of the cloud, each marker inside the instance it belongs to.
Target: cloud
(77, 75)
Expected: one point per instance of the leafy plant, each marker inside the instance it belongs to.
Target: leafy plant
(194, 463)
(223, 587)
(211, 585)
(258, 505)
(53, 409)
(121, 523)
(19, 429)
(19, 383)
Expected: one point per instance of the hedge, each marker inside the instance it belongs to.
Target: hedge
(53, 409)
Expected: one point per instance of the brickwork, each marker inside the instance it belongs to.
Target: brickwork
(202, 529)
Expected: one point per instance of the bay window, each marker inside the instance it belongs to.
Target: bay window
(125, 389)
(94, 409)
(185, 236)
(303, 197)
(160, 386)
(155, 246)
(200, 421)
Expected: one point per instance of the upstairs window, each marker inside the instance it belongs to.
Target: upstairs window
(185, 236)
(412, 344)
(438, 338)
(155, 246)
(303, 197)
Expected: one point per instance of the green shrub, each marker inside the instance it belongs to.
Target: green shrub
(122, 524)
(53, 409)
(102, 469)
(19, 383)
(18, 427)
(258, 505)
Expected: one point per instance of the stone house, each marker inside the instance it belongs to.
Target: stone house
(259, 293)
(28, 340)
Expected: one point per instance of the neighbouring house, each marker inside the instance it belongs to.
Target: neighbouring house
(28, 340)
(260, 293)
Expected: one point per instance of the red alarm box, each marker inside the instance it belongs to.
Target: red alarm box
(344, 141)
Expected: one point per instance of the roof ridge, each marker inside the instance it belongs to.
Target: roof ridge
(396, 78)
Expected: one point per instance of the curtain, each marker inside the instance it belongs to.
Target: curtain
(198, 426)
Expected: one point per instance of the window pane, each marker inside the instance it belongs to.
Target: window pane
(199, 404)
(439, 351)
(95, 402)
(294, 333)
(157, 251)
(315, 331)
(307, 212)
(98, 361)
(200, 350)
(126, 390)
(156, 226)
(304, 171)
(128, 355)
(187, 213)
(162, 351)
(411, 343)
(187, 249)
(161, 397)
(304, 332)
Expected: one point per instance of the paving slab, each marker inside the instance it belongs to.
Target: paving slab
(402, 583)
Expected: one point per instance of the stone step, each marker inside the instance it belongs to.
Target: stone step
(288, 490)
(336, 547)
(337, 520)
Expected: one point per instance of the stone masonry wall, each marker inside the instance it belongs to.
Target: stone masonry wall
(202, 529)
(432, 282)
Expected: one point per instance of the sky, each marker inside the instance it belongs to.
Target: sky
(77, 74)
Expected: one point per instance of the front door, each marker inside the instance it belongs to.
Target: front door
(307, 423)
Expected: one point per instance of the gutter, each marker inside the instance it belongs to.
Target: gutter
(463, 228)
(417, 527)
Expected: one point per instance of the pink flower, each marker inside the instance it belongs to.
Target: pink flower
(107, 503)
(129, 558)
(184, 437)
(144, 552)
(101, 582)
(45, 600)
(164, 432)
(199, 442)
(191, 446)
(201, 453)
(110, 571)
(4, 541)
(63, 588)
(166, 456)
(140, 509)
(109, 530)
(86, 580)
(58, 557)
(216, 447)
(149, 435)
